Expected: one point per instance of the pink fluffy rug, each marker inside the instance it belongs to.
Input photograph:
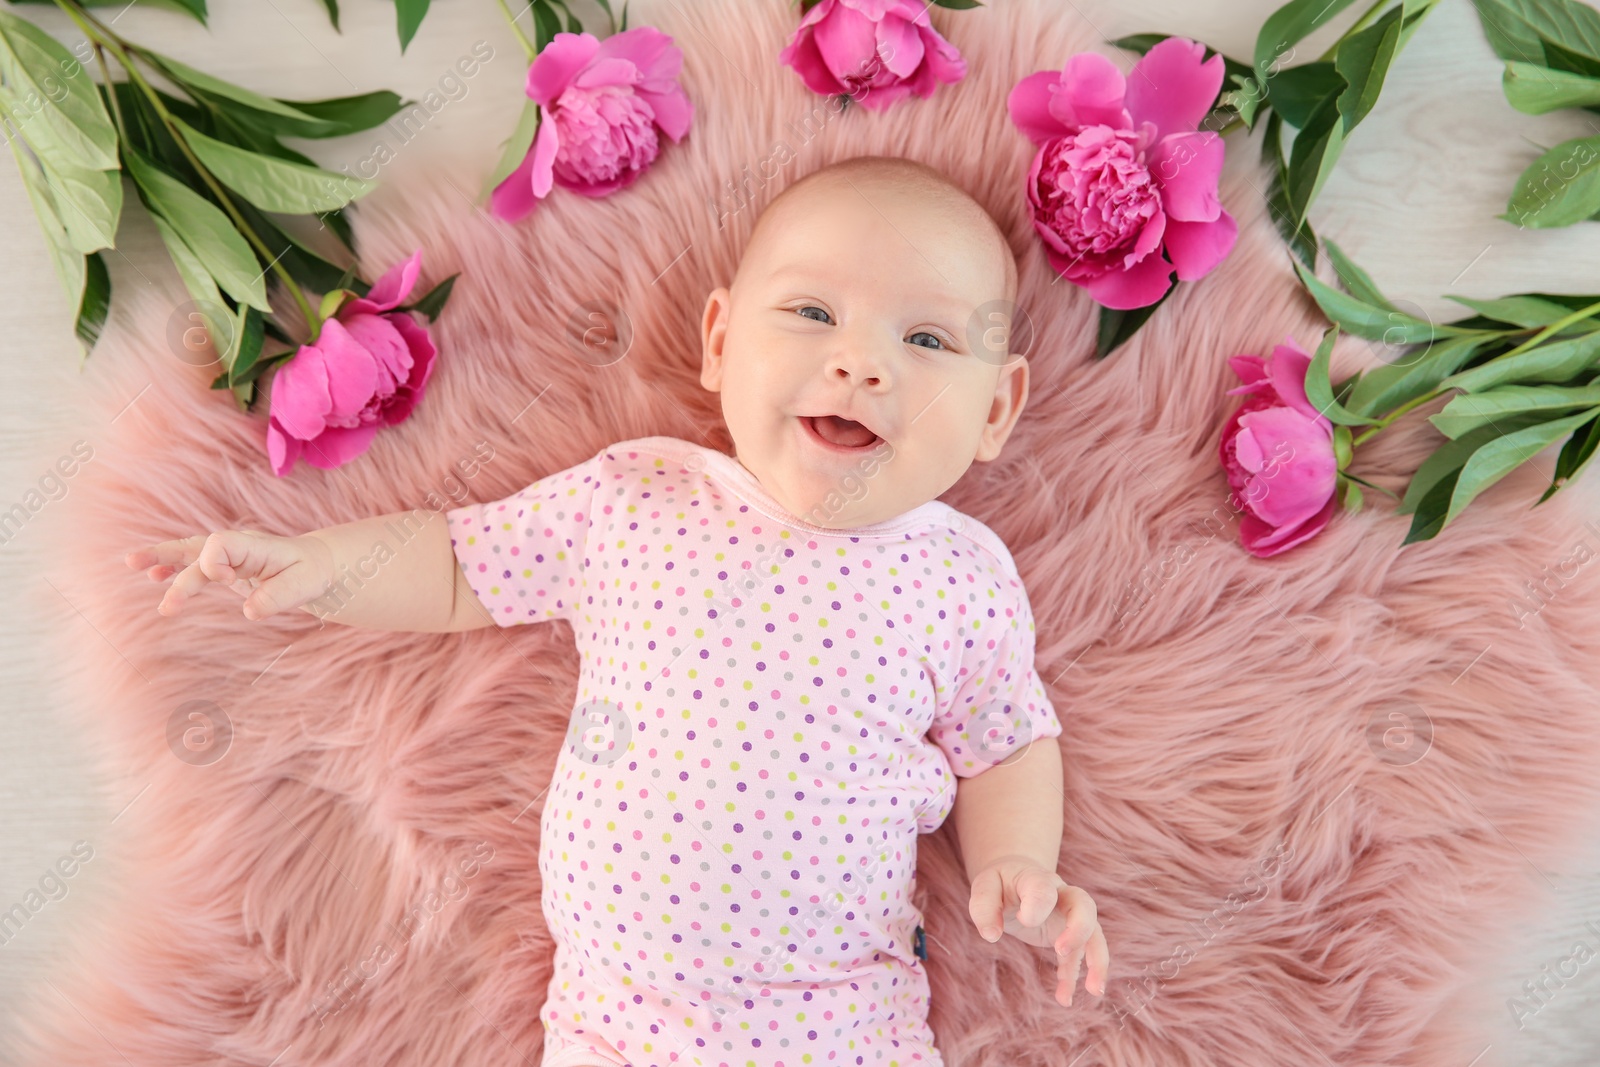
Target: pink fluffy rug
(356, 881)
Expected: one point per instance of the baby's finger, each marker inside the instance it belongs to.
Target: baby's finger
(177, 553)
(1082, 922)
(986, 906)
(1099, 963)
(1039, 892)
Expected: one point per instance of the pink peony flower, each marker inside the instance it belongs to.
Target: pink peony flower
(878, 51)
(365, 370)
(601, 104)
(1278, 452)
(1123, 188)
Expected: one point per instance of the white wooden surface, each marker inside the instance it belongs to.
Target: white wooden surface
(1413, 200)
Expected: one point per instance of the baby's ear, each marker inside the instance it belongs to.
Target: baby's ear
(1010, 395)
(713, 330)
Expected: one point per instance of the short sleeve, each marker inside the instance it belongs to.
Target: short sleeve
(999, 704)
(523, 555)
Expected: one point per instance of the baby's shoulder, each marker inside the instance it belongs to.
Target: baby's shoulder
(987, 552)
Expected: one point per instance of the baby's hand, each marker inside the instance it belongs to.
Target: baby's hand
(272, 573)
(1037, 906)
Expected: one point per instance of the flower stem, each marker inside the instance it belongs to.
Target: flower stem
(111, 91)
(115, 45)
(527, 45)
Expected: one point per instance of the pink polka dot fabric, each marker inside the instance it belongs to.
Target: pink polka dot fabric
(768, 714)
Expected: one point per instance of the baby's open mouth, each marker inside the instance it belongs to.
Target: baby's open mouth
(838, 432)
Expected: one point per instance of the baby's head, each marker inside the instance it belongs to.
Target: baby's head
(857, 297)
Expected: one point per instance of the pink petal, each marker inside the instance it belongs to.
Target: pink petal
(396, 283)
(338, 445)
(802, 54)
(1197, 247)
(1260, 539)
(673, 110)
(648, 49)
(546, 143)
(513, 198)
(555, 67)
(423, 359)
(1250, 369)
(1029, 105)
(282, 450)
(847, 41)
(1303, 468)
(603, 72)
(352, 370)
(390, 353)
(941, 62)
(1135, 287)
(1288, 369)
(1091, 93)
(300, 397)
(883, 97)
(1188, 167)
(1172, 88)
(900, 41)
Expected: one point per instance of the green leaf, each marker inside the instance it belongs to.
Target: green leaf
(206, 229)
(87, 202)
(624, 24)
(1316, 149)
(197, 8)
(1521, 29)
(199, 80)
(1296, 92)
(1117, 326)
(333, 13)
(516, 149)
(546, 24)
(1560, 188)
(69, 264)
(408, 16)
(958, 5)
(433, 301)
(1291, 24)
(274, 184)
(1552, 361)
(1500, 457)
(197, 281)
(1364, 60)
(1319, 391)
(1575, 455)
(303, 263)
(1535, 90)
(1509, 36)
(1357, 282)
(1352, 494)
(1447, 460)
(74, 128)
(96, 300)
(1385, 388)
(1468, 411)
(349, 114)
(1522, 310)
(1365, 320)
(1297, 234)
(249, 347)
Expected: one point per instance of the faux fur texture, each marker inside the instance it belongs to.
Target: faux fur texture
(1277, 885)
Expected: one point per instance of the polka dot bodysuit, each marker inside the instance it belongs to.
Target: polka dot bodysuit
(768, 714)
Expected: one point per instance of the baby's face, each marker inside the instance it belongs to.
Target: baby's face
(855, 302)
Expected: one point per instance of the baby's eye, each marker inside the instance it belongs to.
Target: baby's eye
(929, 336)
(819, 311)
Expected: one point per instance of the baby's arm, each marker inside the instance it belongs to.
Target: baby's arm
(358, 573)
(1008, 820)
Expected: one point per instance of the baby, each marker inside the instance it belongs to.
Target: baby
(802, 658)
